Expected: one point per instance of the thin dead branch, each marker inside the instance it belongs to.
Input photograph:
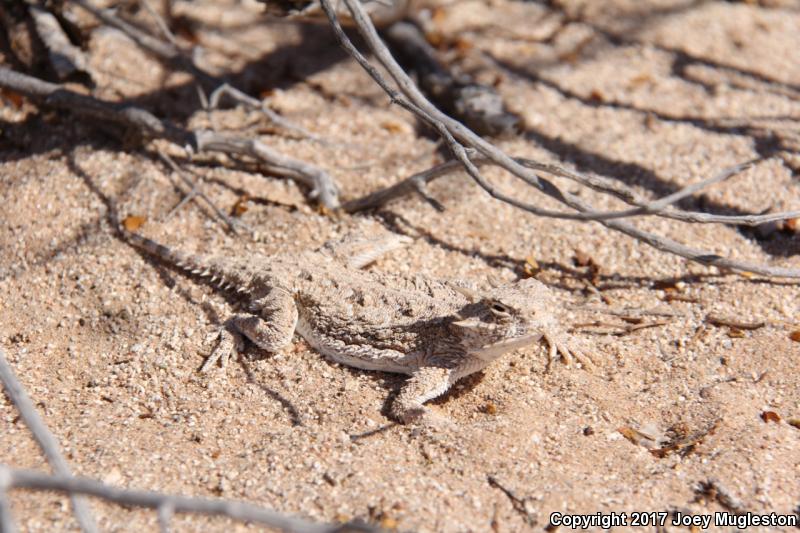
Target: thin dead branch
(519, 504)
(166, 51)
(149, 126)
(321, 184)
(245, 99)
(167, 504)
(460, 140)
(66, 58)
(172, 54)
(195, 192)
(657, 207)
(163, 27)
(47, 442)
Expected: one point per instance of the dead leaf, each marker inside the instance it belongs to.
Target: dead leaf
(463, 46)
(770, 416)
(439, 15)
(640, 79)
(15, 98)
(240, 207)
(735, 333)
(795, 335)
(531, 266)
(794, 422)
(633, 435)
(389, 523)
(684, 443)
(596, 95)
(393, 126)
(133, 222)
(436, 39)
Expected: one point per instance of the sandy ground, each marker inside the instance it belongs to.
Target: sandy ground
(654, 94)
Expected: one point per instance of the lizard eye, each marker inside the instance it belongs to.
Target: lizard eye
(499, 309)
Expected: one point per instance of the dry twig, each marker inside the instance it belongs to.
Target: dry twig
(148, 125)
(47, 442)
(66, 58)
(461, 141)
(167, 504)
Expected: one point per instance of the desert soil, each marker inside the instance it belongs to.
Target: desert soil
(654, 95)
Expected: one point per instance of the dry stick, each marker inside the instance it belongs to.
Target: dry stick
(628, 197)
(163, 27)
(29, 479)
(165, 513)
(699, 256)
(194, 192)
(321, 183)
(458, 150)
(455, 129)
(47, 442)
(6, 520)
(253, 103)
(180, 59)
(166, 51)
(653, 208)
(422, 108)
(65, 57)
(444, 125)
(410, 90)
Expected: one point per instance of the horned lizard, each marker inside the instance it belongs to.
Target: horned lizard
(433, 330)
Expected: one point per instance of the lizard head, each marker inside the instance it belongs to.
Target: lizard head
(504, 318)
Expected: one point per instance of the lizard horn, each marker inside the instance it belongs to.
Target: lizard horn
(471, 295)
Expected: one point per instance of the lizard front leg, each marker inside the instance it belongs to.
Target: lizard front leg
(423, 385)
(271, 330)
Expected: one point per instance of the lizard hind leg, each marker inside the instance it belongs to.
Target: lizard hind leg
(271, 331)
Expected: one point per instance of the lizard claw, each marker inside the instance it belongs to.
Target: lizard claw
(569, 354)
(229, 343)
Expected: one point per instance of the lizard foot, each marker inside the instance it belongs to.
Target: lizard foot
(559, 345)
(229, 343)
(425, 417)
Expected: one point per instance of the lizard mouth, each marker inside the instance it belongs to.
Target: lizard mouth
(496, 349)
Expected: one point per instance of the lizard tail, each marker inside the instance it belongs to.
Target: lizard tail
(205, 268)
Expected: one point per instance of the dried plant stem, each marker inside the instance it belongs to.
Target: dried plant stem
(167, 504)
(462, 142)
(47, 442)
(323, 188)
